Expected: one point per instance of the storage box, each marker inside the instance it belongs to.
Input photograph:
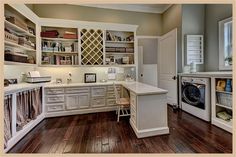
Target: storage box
(11, 37)
(70, 36)
(50, 34)
(120, 49)
(110, 49)
(129, 49)
(24, 42)
(16, 57)
(18, 22)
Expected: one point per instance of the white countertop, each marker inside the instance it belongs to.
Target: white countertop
(208, 74)
(136, 87)
(21, 87)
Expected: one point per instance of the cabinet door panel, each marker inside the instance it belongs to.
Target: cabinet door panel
(84, 100)
(72, 102)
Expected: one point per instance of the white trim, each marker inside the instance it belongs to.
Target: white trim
(149, 132)
(147, 37)
(79, 111)
(130, 7)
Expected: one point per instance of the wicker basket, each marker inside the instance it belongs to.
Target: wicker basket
(224, 99)
(11, 37)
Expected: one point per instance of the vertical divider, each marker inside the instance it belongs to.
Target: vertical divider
(104, 47)
(13, 124)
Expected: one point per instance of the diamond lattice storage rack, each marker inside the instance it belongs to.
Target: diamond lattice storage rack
(91, 47)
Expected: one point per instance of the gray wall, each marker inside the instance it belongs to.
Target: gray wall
(193, 23)
(214, 14)
(149, 23)
(149, 50)
(172, 18)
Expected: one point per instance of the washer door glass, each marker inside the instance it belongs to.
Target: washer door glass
(192, 94)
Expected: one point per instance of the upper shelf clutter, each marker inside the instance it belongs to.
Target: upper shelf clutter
(20, 39)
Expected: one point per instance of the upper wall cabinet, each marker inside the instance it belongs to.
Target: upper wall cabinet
(20, 38)
(225, 44)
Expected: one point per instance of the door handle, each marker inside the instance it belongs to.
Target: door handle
(174, 77)
(141, 75)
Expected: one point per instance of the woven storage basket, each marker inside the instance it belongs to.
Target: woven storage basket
(224, 99)
(11, 37)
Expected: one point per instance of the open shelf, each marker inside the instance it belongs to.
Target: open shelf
(18, 63)
(223, 92)
(59, 39)
(120, 53)
(224, 106)
(61, 53)
(18, 29)
(18, 46)
(120, 42)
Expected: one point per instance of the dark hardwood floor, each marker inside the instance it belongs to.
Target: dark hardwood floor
(100, 133)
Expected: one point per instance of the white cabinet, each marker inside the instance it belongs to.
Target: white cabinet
(77, 101)
(98, 102)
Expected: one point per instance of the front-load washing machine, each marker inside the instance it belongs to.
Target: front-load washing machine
(195, 97)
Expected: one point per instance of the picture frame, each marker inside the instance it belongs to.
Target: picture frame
(90, 78)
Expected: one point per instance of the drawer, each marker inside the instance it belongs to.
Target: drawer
(112, 94)
(77, 90)
(98, 102)
(111, 102)
(55, 98)
(98, 91)
(55, 107)
(111, 88)
(133, 115)
(133, 99)
(50, 91)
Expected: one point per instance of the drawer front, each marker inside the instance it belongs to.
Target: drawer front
(50, 91)
(133, 100)
(111, 88)
(55, 107)
(98, 91)
(98, 102)
(111, 95)
(55, 98)
(77, 90)
(111, 102)
(133, 115)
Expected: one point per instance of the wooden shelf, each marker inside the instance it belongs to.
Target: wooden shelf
(18, 29)
(53, 65)
(18, 63)
(120, 42)
(120, 53)
(59, 39)
(18, 46)
(224, 106)
(223, 92)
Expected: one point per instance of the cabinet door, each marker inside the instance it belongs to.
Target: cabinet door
(72, 102)
(83, 100)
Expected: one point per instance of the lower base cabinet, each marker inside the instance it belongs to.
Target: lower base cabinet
(77, 101)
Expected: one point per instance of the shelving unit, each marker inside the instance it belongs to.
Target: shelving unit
(221, 104)
(119, 48)
(20, 39)
(59, 46)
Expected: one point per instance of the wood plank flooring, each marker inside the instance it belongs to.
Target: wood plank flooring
(100, 133)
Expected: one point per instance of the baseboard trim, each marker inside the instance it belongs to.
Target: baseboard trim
(75, 112)
(149, 132)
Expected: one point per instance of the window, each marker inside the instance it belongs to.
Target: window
(225, 44)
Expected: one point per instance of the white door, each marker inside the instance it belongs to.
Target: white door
(167, 65)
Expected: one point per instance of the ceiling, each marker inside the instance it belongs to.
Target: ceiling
(148, 8)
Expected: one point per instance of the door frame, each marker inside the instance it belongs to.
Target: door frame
(176, 54)
(145, 37)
